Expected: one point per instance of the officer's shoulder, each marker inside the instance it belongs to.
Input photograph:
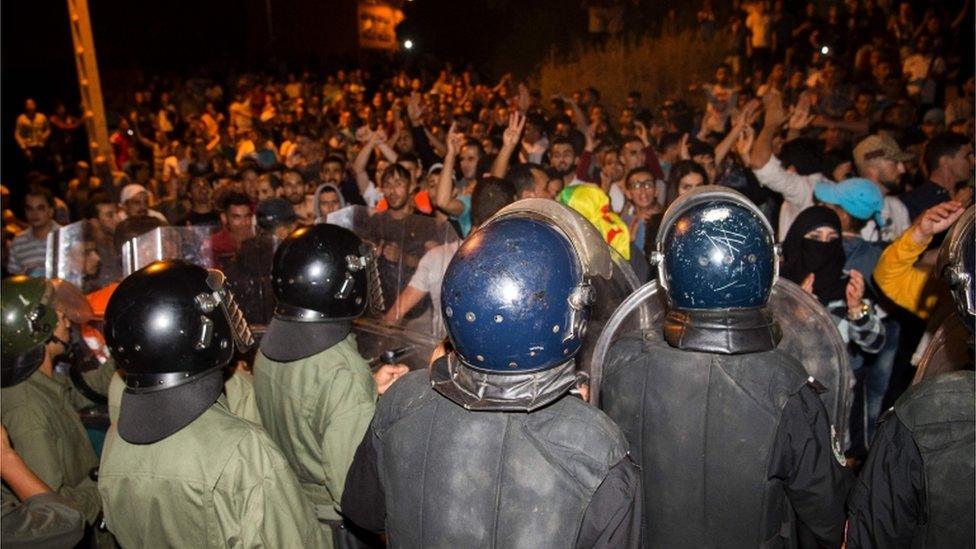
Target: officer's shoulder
(631, 347)
(19, 404)
(787, 369)
(253, 453)
(563, 422)
(943, 398)
(406, 393)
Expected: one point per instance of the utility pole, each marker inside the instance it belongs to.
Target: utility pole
(88, 82)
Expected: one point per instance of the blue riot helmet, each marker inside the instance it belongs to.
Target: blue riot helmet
(516, 299)
(715, 251)
(956, 264)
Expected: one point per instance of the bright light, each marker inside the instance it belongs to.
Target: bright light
(408, 44)
(824, 50)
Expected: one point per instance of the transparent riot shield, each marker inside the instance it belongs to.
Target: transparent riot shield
(809, 335)
(193, 244)
(410, 251)
(949, 350)
(71, 255)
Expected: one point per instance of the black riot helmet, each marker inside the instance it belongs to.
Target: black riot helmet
(172, 327)
(324, 273)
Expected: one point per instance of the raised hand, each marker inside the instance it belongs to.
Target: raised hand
(386, 374)
(937, 219)
(683, 151)
(415, 109)
(513, 133)
(854, 293)
(640, 130)
(455, 140)
(807, 284)
(743, 147)
(776, 114)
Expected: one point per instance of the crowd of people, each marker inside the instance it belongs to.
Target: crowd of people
(850, 129)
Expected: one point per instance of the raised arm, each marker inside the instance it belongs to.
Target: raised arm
(445, 200)
(362, 159)
(511, 140)
(776, 116)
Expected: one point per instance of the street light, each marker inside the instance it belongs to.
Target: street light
(408, 44)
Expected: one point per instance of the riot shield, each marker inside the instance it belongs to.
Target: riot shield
(193, 244)
(406, 330)
(809, 335)
(71, 255)
(949, 350)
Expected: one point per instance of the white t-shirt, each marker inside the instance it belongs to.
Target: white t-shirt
(428, 277)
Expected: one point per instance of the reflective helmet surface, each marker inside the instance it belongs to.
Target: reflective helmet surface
(29, 317)
(321, 273)
(166, 323)
(716, 251)
(956, 266)
(515, 298)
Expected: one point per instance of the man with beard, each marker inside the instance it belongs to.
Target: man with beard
(562, 158)
(293, 190)
(948, 161)
(879, 158)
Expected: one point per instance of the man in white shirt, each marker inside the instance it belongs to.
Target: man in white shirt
(490, 195)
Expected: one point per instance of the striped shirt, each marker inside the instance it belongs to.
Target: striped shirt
(27, 253)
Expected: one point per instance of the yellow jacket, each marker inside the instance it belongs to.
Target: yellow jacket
(915, 289)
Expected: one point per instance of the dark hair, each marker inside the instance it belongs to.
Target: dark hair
(521, 176)
(640, 169)
(944, 144)
(670, 139)
(803, 154)
(334, 159)
(394, 170)
(37, 189)
(294, 171)
(233, 198)
(95, 200)
(562, 141)
(490, 195)
(477, 146)
(627, 141)
(679, 170)
(536, 120)
(409, 157)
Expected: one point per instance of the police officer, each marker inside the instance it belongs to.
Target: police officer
(178, 468)
(918, 484)
(39, 406)
(733, 442)
(314, 391)
(44, 518)
(489, 448)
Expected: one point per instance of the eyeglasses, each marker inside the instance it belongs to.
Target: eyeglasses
(646, 184)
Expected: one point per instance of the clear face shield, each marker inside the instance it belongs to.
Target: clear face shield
(365, 261)
(221, 297)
